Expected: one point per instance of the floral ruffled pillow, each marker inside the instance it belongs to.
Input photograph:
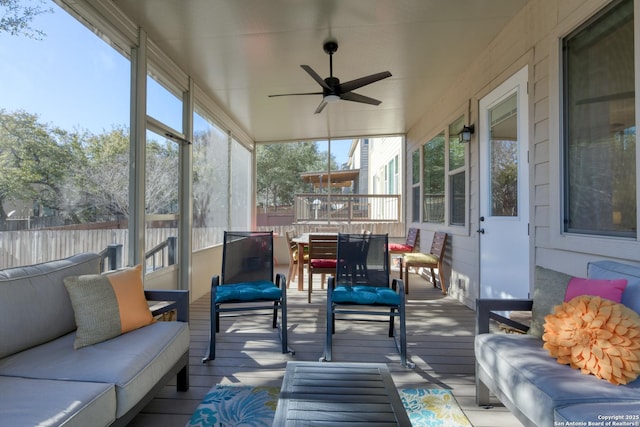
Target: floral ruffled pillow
(597, 336)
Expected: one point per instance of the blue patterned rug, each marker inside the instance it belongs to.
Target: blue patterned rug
(244, 406)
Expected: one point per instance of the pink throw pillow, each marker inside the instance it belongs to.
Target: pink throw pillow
(607, 289)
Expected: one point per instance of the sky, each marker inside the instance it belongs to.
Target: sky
(74, 80)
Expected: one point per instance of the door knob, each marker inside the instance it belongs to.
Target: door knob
(480, 230)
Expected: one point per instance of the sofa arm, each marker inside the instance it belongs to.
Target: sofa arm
(486, 308)
(178, 300)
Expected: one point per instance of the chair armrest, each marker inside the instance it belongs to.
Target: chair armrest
(398, 286)
(178, 299)
(485, 310)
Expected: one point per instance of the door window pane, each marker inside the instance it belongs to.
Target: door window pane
(600, 133)
(503, 153)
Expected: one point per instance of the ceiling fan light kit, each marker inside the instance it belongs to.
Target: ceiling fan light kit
(332, 89)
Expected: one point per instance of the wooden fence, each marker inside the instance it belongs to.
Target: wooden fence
(18, 248)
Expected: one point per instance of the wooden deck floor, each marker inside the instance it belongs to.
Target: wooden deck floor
(440, 342)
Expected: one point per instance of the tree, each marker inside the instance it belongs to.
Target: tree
(35, 160)
(16, 17)
(279, 167)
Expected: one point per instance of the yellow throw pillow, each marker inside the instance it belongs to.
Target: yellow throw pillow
(597, 336)
(107, 305)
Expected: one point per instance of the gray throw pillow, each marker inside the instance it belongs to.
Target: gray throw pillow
(550, 288)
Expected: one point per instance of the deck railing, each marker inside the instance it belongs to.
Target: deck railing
(347, 207)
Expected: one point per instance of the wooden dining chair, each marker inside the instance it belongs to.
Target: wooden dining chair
(294, 257)
(431, 260)
(322, 257)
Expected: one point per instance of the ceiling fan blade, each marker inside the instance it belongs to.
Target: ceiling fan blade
(350, 96)
(323, 104)
(316, 77)
(363, 81)
(293, 94)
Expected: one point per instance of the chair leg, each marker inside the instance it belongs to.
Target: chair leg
(274, 322)
(283, 337)
(403, 338)
(291, 274)
(406, 282)
(433, 278)
(309, 287)
(213, 328)
(443, 285)
(392, 319)
(328, 343)
(322, 279)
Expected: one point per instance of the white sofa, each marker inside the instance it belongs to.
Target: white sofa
(44, 381)
(533, 385)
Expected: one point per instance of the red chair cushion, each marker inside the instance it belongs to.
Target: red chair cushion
(323, 263)
(400, 247)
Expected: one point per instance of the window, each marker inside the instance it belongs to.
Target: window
(65, 97)
(415, 186)
(210, 170)
(457, 175)
(433, 179)
(599, 125)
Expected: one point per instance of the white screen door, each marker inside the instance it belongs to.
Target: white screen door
(504, 190)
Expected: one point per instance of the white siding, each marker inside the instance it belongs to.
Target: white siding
(531, 38)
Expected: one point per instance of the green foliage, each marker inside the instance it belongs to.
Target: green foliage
(16, 17)
(279, 167)
(78, 175)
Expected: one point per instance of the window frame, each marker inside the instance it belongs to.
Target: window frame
(586, 245)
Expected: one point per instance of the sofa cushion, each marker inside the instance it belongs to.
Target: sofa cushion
(248, 291)
(107, 305)
(134, 362)
(536, 383)
(376, 295)
(608, 289)
(34, 301)
(597, 336)
(33, 402)
(604, 414)
(549, 291)
(616, 270)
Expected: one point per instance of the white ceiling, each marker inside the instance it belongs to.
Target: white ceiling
(241, 51)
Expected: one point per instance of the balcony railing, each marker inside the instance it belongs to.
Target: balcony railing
(347, 207)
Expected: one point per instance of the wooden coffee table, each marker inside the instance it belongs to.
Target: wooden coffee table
(335, 394)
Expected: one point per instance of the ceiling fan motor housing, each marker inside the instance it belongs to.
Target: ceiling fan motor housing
(330, 46)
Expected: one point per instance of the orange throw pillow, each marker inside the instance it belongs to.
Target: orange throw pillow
(597, 336)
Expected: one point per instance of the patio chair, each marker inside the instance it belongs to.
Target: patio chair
(362, 286)
(431, 260)
(409, 244)
(322, 257)
(293, 258)
(247, 283)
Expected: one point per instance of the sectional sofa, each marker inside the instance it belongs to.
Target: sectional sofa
(48, 377)
(531, 383)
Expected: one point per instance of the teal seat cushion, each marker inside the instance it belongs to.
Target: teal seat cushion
(363, 294)
(248, 291)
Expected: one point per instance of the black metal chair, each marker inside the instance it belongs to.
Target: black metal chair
(247, 283)
(362, 286)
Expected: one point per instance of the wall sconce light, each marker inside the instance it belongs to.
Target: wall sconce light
(465, 133)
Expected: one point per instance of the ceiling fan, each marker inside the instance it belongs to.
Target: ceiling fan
(332, 89)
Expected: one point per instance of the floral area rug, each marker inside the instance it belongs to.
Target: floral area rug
(433, 408)
(244, 406)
